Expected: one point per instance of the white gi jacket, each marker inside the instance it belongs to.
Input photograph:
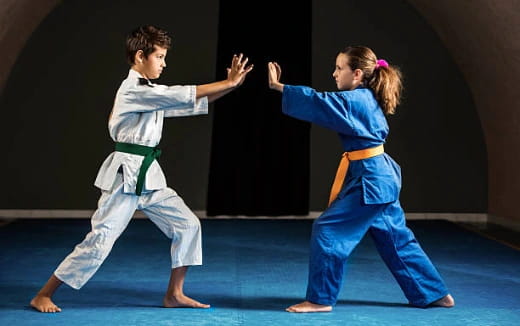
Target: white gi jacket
(137, 118)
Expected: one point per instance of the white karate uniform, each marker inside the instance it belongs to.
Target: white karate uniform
(137, 118)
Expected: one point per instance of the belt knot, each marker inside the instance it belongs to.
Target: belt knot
(346, 157)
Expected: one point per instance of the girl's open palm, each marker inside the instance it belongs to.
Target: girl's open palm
(274, 74)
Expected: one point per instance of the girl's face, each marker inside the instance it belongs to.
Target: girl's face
(346, 79)
(151, 67)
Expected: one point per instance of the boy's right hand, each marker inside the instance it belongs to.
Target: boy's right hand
(238, 71)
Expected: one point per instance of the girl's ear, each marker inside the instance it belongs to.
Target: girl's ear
(358, 74)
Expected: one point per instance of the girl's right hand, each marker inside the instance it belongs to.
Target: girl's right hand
(274, 72)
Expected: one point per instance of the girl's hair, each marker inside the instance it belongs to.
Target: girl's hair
(144, 38)
(384, 80)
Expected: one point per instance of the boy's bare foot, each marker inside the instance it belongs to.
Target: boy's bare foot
(307, 306)
(44, 304)
(446, 302)
(182, 301)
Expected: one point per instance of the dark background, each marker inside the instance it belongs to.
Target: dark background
(57, 100)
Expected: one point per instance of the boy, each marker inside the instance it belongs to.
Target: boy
(131, 178)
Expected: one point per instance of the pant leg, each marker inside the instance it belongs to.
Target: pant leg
(413, 270)
(173, 217)
(115, 210)
(334, 236)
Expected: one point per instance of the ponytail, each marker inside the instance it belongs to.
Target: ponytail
(387, 87)
(384, 80)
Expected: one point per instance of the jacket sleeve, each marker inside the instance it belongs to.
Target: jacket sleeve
(145, 98)
(200, 107)
(327, 109)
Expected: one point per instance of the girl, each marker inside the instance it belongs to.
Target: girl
(365, 193)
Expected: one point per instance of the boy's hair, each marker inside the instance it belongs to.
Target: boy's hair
(385, 81)
(144, 38)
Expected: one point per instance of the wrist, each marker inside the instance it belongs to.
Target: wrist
(277, 86)
(231, 84)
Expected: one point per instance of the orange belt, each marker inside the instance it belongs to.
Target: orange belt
(343, 166)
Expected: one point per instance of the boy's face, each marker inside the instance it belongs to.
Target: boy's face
(151, 67)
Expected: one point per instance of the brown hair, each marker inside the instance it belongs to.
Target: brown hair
(144, 38)
(384, 81)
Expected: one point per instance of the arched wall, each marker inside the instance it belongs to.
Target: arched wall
(18, 19)
(480, 35)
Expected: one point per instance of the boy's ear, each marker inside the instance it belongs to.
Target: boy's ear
(139, 57)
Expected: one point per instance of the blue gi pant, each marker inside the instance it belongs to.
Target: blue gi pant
(342, 226)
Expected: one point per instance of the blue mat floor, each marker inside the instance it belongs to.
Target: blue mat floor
(253, 270)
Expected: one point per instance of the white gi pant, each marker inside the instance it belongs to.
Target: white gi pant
(115, 210)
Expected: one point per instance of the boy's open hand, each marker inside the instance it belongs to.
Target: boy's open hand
(238, 71)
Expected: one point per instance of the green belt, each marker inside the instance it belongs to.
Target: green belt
(149, 153)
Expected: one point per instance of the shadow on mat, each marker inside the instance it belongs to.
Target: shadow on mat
(99, 296)
(279, 303)
(109, 296)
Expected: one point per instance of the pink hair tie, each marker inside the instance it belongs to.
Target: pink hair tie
(381, 63)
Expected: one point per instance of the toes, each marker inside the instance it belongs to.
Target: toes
(292, 309)
(200, 305)
(49, 309)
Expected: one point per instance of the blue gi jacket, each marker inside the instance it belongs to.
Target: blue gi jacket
(360, 123)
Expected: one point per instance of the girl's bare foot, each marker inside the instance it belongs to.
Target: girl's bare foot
(182, 301)
(446, 302)
(44, 304)
(307, 306)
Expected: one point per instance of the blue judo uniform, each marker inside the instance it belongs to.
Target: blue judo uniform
(368, 200)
